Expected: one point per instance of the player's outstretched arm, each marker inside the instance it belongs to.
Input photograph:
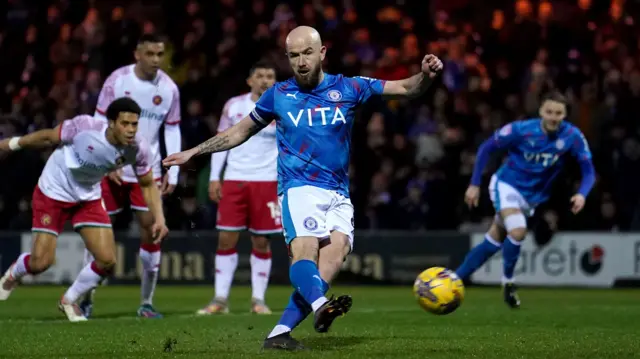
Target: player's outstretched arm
(39, 139)
(151, 195)
(233, 137)
(417, 84)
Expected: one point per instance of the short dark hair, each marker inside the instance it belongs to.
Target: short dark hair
(262, 64)
(123, 104)
(556, 97)
(149, 38)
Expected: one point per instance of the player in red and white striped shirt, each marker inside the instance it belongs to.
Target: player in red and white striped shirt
(247, 197)
(159, 98)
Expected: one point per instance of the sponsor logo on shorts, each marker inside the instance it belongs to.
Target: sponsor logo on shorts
(512, 197)
(310, 224)
(45, 219)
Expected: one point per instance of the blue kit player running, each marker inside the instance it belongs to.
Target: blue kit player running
(536, 150)
(314, 113)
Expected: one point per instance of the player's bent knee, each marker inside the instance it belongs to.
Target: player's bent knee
(260, 244)
(518, 234)
(304, 248)
(516, 225)
(227, 240)
(105, 257)
(340, 244)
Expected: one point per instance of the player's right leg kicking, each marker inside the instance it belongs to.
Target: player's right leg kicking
(310, 280)
(330, 260)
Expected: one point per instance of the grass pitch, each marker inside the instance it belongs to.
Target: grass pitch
(384, 323)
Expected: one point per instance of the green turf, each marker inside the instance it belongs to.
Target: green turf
(384, 323)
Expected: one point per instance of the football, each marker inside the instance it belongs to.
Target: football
(439, 290)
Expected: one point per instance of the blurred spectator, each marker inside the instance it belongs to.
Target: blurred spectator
(411, 159)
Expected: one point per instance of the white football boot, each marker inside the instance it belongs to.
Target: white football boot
(7, 283)
(72, 311)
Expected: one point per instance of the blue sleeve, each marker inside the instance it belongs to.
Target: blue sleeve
(580, 150)
(264, 112)
(482, 158)
(504, 138)
(366, 87)
(588, 177)
(580, 147)
(507, 136)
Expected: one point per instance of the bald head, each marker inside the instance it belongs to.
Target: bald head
(304, 36)
(305, 53)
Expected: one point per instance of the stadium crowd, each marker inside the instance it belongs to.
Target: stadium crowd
(411, 160)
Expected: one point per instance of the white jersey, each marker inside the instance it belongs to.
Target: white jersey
(254, 160)
(75, 169)
(160, 103)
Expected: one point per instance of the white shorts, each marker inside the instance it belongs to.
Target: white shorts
(504, 196)
(310, 211)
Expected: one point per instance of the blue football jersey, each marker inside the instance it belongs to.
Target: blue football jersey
(314, 129)
(535, 158)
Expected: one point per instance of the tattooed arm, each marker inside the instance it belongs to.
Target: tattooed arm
(232, 137)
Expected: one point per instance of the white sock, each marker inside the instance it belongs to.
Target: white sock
(150, 256)
(279, 329)
(88, 279)
(22, 266)
(88, 257)
(318, 303)
(226, 264)
(260, 271)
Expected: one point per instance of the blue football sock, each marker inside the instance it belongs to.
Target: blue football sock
(477, 256)
(297, 309)
(305, 278)
(510, 255)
